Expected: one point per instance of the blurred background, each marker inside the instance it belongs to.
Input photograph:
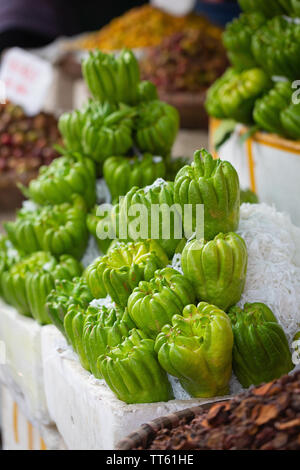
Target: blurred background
(178, 44)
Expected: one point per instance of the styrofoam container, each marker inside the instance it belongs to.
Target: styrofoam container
(22, 372)
(86, 412)
(18, 433)
(267, 164)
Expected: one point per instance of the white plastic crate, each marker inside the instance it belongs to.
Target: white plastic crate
(22, 372)
(20, 434)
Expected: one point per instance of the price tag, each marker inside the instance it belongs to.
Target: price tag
(26, 79)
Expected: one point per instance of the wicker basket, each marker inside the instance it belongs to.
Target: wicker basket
(147, 432)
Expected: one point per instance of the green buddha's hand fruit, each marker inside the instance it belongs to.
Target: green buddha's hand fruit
(276, 112)
(147, 91)
(124, 266)
(8, 257)
(290, 119)
(276, 47)
(237, 39)
(27, 284)
(151, 213)
(239, 94)
(197, 349)
(93, 220)
(59, 229)
(65, 294)
(65, 177)
(215, 184)
(153, 304)
(108, 131)
(269, 8)
(217, 268)
(295, 4)
(267, 110)
(261, 351)
(71, 125)
(121, 173)
(73, 326)
(213, 97)
(132, 372)
(110, 78)
(174, 165)
(103, 327)
(157, 124)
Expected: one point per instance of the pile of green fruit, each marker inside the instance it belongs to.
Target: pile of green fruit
(155, 320)
(263, 46)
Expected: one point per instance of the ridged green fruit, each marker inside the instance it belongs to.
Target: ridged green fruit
(153, 304)
(73, 326)
(217, 269)
(132, 372)
(27, 284)
(151, 213)
(276, 47)
(8, 257)
(122, 173)
(112, 78)
(237, 39)
(197, 349)
(267, 110)
(59, 229)
(62, 179)
(261, 351)
(119, 272)
(108, 131)
(215, 184)
(268, 8)
(239, 94)
(103, 327)
(213, 97)
(65, 294)
(157, 125)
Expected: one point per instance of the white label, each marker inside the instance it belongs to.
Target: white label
(176, 7)
(27, 79)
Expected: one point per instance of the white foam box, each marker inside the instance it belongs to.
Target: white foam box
(86, 412)
(18, 433)
(267, 164)
(22, 370)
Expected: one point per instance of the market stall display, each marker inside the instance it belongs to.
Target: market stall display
(26, 144)
(153, 306)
